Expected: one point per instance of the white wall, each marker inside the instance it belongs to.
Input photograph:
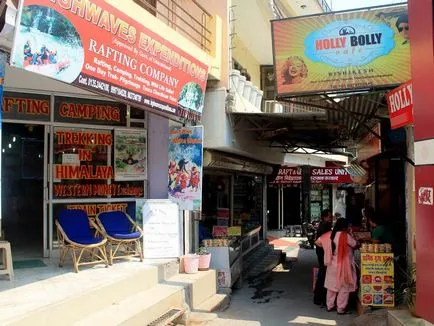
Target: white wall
(219, 135)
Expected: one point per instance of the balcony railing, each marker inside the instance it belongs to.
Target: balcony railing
(324, 5)
(188, 18)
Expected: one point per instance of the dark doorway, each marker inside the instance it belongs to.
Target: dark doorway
(291, 206)
(22, 187)
(273, 207)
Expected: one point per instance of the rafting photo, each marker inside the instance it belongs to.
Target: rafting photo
(48, 44)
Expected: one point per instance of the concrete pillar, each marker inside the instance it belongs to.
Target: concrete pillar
(422, 67)
(410, 196)
(158, 158)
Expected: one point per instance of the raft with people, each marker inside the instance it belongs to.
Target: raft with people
(44, 61)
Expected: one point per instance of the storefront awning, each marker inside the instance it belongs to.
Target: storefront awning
(322, 122)
(223, 161)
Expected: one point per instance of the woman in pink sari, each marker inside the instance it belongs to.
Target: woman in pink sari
(341, 278)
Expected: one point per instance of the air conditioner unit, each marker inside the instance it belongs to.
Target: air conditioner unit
(8, 16)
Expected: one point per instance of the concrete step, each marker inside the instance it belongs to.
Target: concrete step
(400, 317)
(200, 318)
(217, 302)
(64, 299)
(139, 309)
(198, 287)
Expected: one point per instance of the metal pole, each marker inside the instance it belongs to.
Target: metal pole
(278, 208)
(282, 208)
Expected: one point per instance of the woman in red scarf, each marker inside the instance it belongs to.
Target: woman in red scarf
(341, 278)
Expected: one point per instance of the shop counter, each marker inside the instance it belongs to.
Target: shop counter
(227, 261)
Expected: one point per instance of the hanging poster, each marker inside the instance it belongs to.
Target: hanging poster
(130, 155)
(342, 51)
(185, 167)
(96, 46)
(377, 280)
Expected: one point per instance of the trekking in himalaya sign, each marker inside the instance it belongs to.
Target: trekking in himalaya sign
(92, 45)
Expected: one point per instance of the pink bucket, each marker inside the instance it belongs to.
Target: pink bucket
(204, 261)
(191, 263)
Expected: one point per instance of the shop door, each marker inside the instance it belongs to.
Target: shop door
(291, 206)
(273, 214)
(23, 173)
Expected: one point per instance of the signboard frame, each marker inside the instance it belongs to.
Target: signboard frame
(128, 61)
(335, 90)
(381, 275)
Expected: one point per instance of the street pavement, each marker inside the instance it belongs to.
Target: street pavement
(281, 297)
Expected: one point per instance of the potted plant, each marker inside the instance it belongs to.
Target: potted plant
(406, 291)
(204, 258)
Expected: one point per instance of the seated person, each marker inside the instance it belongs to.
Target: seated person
(36, 59)
(27, 50)
(380, 232)
(53, 56)
(44, 53)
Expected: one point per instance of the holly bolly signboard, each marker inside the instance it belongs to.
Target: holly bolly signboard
(351, 50)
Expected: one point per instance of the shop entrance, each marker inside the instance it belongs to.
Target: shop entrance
(284, 206)
(23, 162)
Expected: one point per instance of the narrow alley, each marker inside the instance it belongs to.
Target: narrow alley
(281, 297)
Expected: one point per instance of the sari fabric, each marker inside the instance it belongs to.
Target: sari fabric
(341, 272)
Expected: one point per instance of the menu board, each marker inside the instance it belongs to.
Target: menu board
(162, 229)
(377, 280)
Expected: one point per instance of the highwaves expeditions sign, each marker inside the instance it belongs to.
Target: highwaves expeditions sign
(345, 51)
(95, 46)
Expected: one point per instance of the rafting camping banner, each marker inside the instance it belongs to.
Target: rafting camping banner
(93, 45)
(351, 50)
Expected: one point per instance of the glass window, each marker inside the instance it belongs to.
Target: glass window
(83, 166)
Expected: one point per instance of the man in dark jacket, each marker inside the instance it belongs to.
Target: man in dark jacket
(325, 226)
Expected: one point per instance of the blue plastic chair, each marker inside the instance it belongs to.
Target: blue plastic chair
(75, 234)
(123, 235)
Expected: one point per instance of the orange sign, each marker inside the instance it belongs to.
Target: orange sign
(95, 46)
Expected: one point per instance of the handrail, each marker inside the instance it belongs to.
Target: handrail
(324, 5)
(186, 12)
(201, 8)
(188, 25)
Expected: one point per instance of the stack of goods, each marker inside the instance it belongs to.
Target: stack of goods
(216, 243)
(376, 248)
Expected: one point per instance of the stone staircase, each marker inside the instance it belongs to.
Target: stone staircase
(261, 260)
(148, 294)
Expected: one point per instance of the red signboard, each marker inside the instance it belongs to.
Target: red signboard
(289, 175)
(329, 175)
(400, 102)
(294, 175)
(95, 46)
